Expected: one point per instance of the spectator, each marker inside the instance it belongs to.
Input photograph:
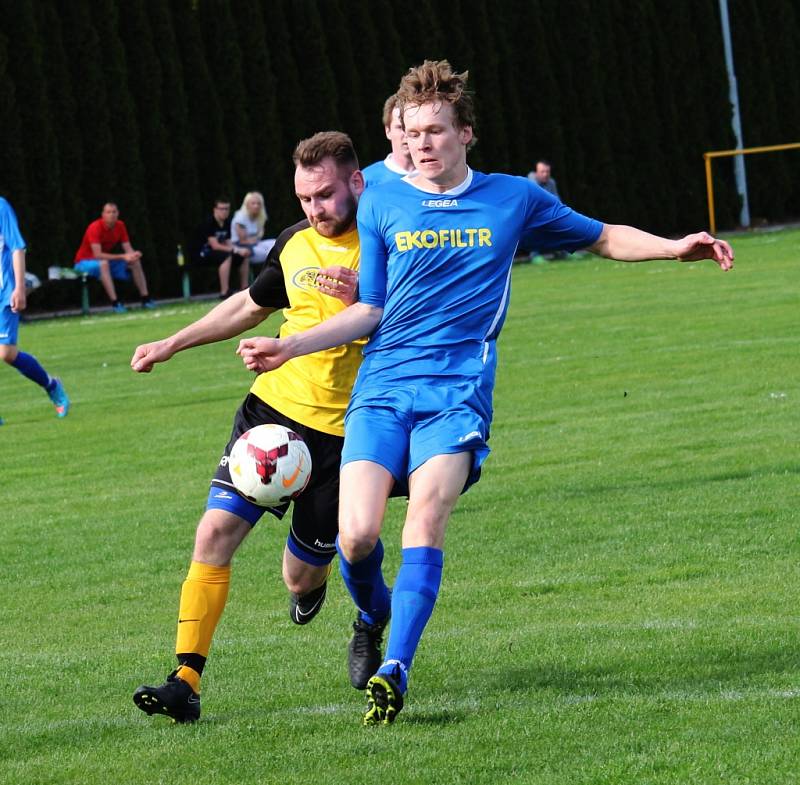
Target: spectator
(541, 176)
(100, 256)
(12, 302)
(247, 228)
(213, 246)
(398, 163)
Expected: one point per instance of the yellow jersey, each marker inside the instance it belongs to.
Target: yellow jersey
(315, 389)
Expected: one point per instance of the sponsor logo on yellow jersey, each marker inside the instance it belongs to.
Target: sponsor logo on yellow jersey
(306, 278)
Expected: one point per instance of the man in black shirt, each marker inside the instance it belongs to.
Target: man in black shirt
(213, 246)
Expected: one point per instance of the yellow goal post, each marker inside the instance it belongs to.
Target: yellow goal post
(712, 154)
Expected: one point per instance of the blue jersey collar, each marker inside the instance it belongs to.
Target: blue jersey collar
(459, 189)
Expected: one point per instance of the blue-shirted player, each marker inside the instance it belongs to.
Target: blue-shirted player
(436, 254)
(12, 302)
(398, 163)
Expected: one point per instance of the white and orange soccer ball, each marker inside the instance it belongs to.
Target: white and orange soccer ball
(270, 464)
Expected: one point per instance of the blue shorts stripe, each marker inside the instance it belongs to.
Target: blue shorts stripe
(220, 498)
(317, 559)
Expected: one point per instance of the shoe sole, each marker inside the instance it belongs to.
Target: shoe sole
(147, 700)
(384, 700)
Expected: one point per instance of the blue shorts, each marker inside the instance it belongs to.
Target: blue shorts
(9, 326)
(402, 428)
(119, 268)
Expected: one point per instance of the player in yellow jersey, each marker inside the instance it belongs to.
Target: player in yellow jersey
(312, 274)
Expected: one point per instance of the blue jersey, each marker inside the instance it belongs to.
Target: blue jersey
(10, 241)
(440, 267)
(382, 172)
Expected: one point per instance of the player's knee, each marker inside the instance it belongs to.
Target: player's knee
(300, 582)
(8, 353)
(215, 541)
(357, 543)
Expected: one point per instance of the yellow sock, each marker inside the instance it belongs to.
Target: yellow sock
(203, 598)
(190, 676)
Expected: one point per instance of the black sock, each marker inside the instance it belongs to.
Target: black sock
(194, 661)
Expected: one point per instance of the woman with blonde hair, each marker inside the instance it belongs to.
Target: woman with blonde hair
(247, 229)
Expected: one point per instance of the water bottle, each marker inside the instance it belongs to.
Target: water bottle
(180, 259)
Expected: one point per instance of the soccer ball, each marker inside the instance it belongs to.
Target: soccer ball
(269, 464)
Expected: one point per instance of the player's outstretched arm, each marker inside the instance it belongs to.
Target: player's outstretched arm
(231, 317)
(628, 244)
(267, 354)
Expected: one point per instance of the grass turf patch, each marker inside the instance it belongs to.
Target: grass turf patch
(619, 595)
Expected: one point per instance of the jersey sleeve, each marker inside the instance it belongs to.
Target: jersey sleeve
(374, 254)
(551, 225)
(269, 288)
(9, 228)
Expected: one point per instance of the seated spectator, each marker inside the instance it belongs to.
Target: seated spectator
(213, 246)
(541, 176)
(247, 228)
(106, 253)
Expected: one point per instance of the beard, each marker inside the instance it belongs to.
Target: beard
(333, 226)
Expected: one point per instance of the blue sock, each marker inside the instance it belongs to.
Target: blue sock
(364, 581)
(29, 366)
(413, 598)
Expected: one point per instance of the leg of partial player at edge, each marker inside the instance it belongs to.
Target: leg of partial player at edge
(32, 369)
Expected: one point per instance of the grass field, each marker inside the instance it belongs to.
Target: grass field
(620, 598)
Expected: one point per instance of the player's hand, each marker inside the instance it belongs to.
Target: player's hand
(339, 282)
(148, 354)
(702, 245)
(263, 354)
(19, 300)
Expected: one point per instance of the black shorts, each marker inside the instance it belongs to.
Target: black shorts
(210, 256)
(314, 526)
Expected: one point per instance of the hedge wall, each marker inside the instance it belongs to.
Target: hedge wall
(163, 104)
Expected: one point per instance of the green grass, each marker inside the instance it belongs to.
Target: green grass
(620, 594)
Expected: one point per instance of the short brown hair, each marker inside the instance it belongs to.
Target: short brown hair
(326, 144)
(435, 81)
(388, 107)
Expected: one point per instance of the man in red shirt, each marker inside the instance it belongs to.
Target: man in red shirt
(100, 257)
